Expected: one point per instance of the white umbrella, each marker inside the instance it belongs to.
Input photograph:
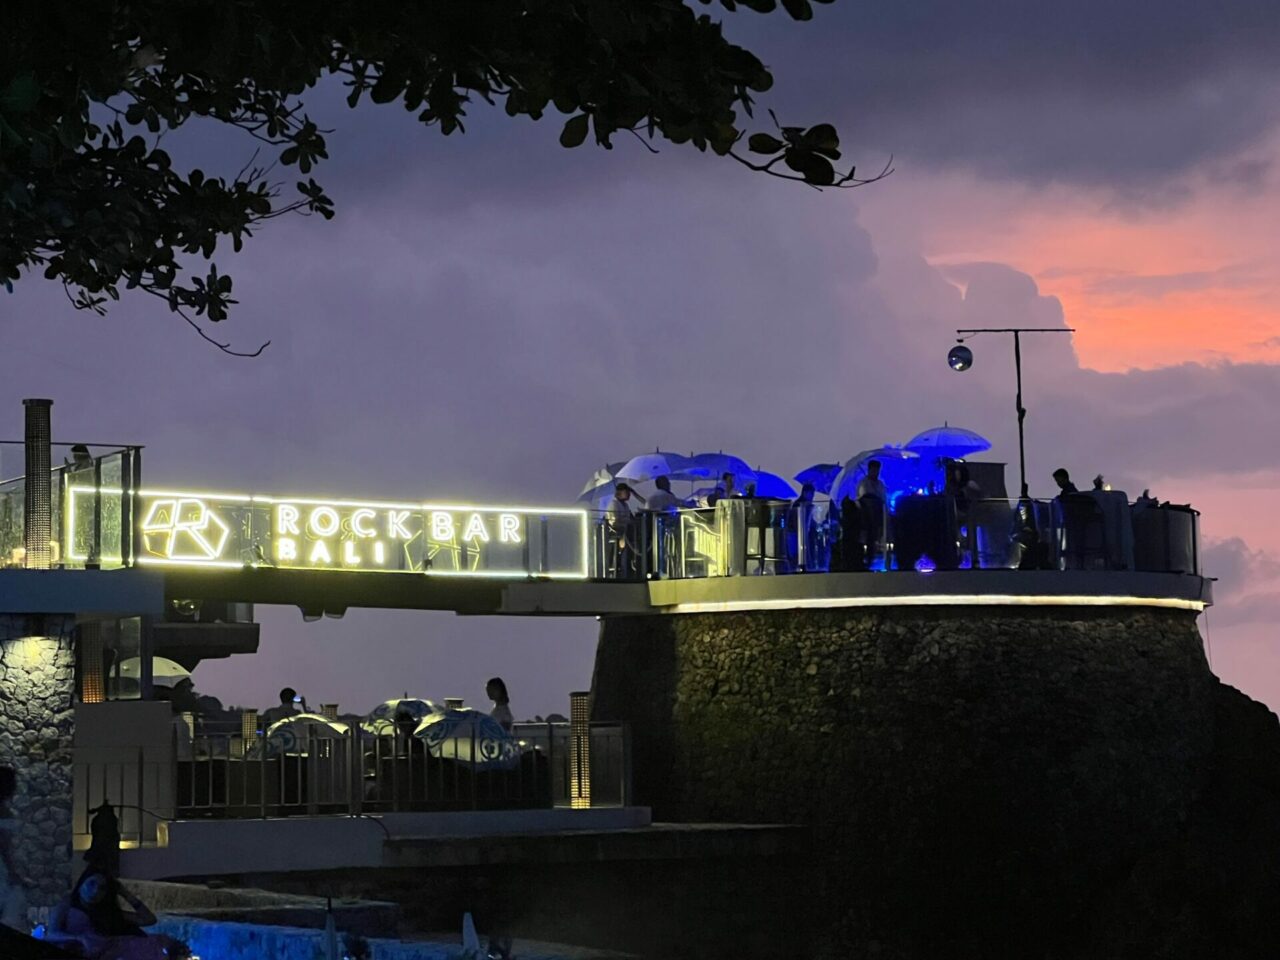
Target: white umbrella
(290, 734)
(470, 736)
(604, 477)
(164, 671)
(650, 466)
(414, 705)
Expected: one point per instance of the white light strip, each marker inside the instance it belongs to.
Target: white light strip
(178, 562)
(936, 600)
(521, 574)
(312, 501)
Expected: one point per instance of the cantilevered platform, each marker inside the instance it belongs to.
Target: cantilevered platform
(334, 592)
(317, 592)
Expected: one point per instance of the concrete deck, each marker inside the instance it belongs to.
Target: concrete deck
(337, 591)
(207, 848)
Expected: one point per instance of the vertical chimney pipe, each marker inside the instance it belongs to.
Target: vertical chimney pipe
(37, 498)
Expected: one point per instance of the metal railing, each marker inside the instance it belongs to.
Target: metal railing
(1089, 531)
(226, 776)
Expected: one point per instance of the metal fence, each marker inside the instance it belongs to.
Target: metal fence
(226, 776)
(738, 536)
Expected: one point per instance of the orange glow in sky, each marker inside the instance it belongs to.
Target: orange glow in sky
(1193, 278)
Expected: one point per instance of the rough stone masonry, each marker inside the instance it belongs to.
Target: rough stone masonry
(36, 727)
(981, 776)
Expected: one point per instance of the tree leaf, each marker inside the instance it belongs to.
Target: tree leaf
(574, 132)
(763, 143)
(20, 95)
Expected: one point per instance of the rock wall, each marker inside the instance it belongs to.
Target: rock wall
(36, 726)
(977, 780)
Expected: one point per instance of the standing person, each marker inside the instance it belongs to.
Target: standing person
(873, 498)
(664, 501)
(290, 704)
(496, 691)
(13, 900)
(1063, 480)
(729, 482)
(620, 524)
(663, 504)
(871, 485)
(800, 519)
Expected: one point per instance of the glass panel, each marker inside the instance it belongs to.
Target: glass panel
(122, 650)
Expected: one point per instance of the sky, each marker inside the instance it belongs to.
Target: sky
(493, 317)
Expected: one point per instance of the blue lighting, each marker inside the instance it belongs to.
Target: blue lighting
(925, 565)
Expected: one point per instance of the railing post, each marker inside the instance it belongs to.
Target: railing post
(126, 508)
(141, 797)
(95, 545)
(355, 772)
(260, 741)
(625, 729)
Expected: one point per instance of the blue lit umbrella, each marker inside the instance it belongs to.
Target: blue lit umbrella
(650, 466)
(712, 466)
(821, 475)
(772, 486)
(898, 470)
(947, 442)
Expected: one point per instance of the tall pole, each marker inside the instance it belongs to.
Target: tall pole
(1022, 413)
(1017, 367)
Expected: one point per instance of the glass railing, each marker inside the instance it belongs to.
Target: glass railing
(1099, 530)
(91, 508)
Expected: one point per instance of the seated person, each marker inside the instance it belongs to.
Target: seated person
(92, 918)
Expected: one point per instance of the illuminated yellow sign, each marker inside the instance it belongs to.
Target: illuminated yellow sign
(228, 530)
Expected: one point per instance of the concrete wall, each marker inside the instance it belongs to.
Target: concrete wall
(203, 848)
(36, 725)
(959, 766)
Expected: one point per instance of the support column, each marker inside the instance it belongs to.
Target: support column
(37, 686)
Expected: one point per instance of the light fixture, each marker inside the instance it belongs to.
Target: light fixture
(960, 358)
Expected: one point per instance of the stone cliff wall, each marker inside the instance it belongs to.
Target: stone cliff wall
(36, 725)
(985, 777)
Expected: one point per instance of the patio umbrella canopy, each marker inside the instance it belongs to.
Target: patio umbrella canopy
(650, 466)
(602, 477)
(898, 469)
(947, 442)
(772, 486)
(164, 671)
(471, 737)
(290, 735)
(599, 488)
(384, 714)
(821, 475)
(712, 466)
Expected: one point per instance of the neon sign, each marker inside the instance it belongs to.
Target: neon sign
(229, 530)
